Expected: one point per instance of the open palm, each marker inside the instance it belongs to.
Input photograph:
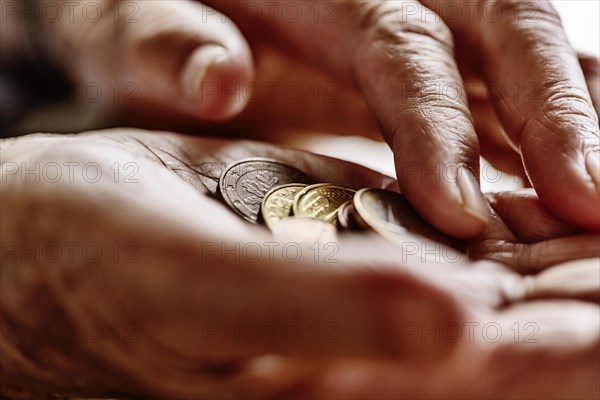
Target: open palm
(178, 297)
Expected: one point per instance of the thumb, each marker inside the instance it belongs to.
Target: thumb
(178, 56)
(186, 56)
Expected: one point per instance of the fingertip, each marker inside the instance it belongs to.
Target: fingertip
(453, 205)
(196, 69)
(460, 224)
(472, 201)
(466, 222)
(570, 187)
(215, 80)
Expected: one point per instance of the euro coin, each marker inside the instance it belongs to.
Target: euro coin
(244, 184)
(277, 203)
(321, 201)
(392, 216)
(343, 219)
(347, 217)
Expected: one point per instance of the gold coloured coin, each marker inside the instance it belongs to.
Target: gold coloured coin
(392, 216)
(321, 201)
(277, 203)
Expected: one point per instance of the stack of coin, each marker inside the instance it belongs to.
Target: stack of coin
(244, 184)
(289, 202)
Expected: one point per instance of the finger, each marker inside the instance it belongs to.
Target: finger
(527, 217)
(208, 61)
(181, 56)
(430, 132)
(530, 258)
(525, 236)
(406, 71)
(590, 66)
(494, 143)
(551, 119)
(578, 279)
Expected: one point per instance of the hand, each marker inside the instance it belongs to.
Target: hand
(131, 242)
(131, 267)
(399, 58)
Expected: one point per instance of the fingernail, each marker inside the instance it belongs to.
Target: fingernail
(592, 164)
(473, 202)
(195, 71)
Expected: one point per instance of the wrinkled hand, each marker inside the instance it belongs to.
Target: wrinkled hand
(178, 297)
(413, 69)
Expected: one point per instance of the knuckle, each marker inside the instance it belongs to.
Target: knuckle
(439, 104)
(563, 117)
(561, 102)
(396, 26)
(525, 26)
(534, 11)
(529, 25)
(444, 128)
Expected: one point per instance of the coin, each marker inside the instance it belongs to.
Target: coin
(347, 217)
(321, 201)
(277, 203)
(244, 184)
(304, 230)
(392, 216)
(343, 219)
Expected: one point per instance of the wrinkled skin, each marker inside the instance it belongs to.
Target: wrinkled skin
(163, 287)
(419, 77)
(159, 285)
